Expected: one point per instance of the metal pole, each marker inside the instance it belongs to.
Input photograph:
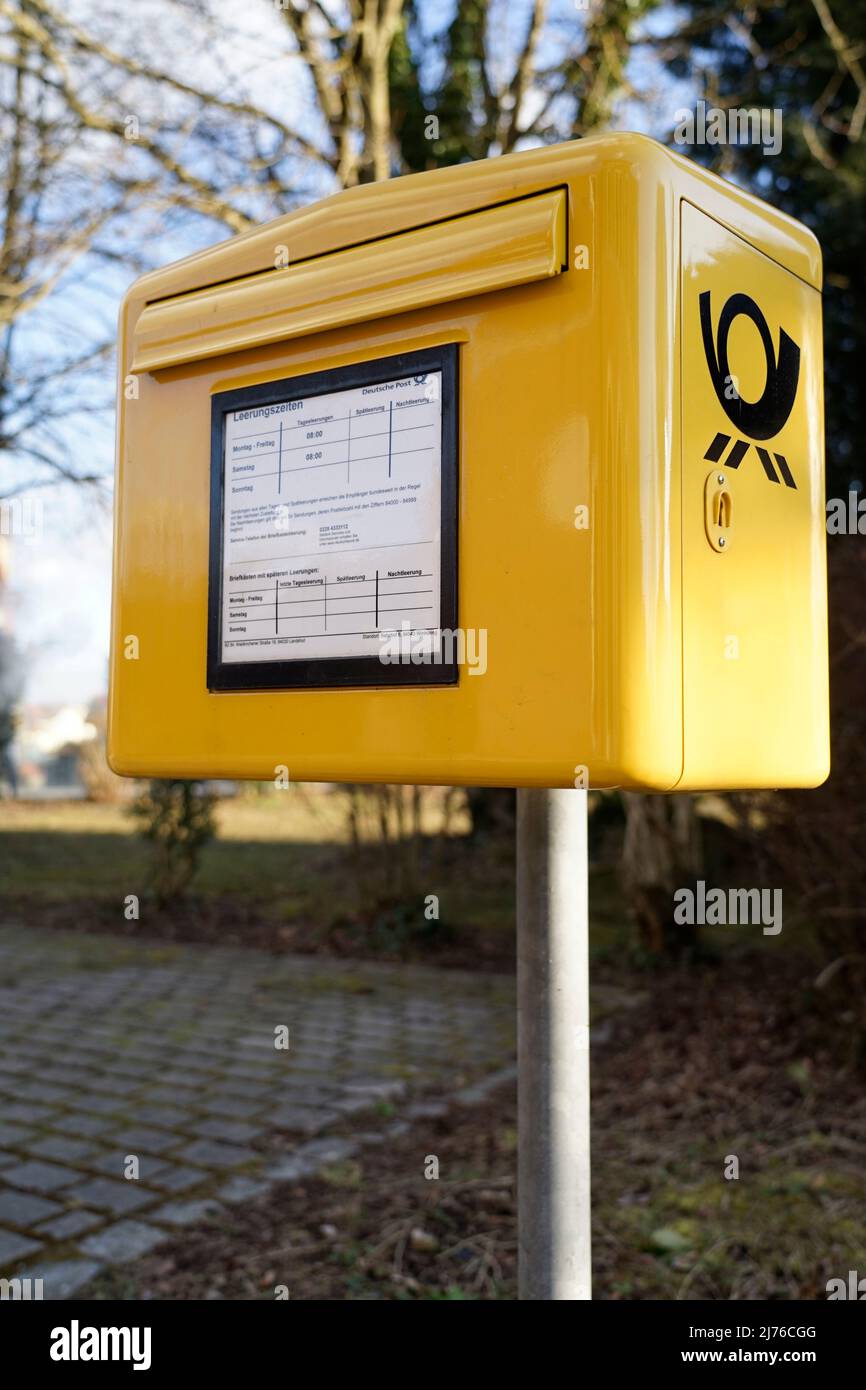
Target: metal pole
(554, 1249)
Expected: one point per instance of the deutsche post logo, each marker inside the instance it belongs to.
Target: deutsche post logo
(761, 419)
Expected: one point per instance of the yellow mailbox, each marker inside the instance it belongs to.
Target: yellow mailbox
(506, 474)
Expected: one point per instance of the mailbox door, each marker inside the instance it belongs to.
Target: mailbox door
(755, 688)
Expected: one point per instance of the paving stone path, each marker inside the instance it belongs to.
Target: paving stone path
(117, 1056)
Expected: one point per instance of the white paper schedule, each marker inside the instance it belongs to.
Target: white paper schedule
(332, 521)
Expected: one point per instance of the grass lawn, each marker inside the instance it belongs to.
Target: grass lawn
(86, 849)
(280, 873)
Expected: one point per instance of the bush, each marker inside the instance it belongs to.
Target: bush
(177, 818)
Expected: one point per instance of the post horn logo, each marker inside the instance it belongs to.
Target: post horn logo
(761, 419)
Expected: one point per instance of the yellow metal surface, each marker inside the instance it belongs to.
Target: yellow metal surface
(582, 548)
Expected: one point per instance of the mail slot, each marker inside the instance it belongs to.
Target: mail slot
(420, 484)
(490, 250)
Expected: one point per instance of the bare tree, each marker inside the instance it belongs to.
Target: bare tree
(99, 150)
(490, 94)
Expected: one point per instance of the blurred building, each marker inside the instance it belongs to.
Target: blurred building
(47, 749)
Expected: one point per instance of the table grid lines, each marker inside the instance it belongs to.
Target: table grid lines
(315, 593)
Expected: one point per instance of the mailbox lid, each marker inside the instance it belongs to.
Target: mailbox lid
(514, 243)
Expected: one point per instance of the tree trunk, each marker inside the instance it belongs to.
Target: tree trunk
(661, 852)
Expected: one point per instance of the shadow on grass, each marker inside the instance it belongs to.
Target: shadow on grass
(312, 897)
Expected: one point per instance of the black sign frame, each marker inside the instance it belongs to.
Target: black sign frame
(318, 673)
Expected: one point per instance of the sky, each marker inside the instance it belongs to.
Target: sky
(61, 592)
